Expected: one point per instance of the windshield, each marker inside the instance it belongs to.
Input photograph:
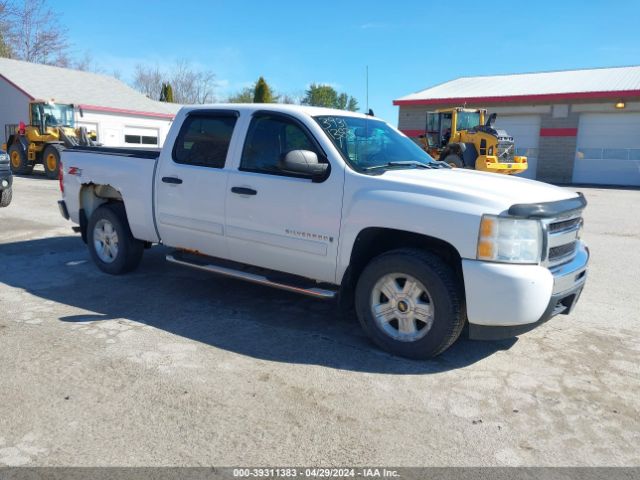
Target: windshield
(467, 120)
(367, 144)
(53, 115)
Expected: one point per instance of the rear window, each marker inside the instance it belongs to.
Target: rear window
(204, 140)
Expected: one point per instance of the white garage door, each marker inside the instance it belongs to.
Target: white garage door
(525, 130)
(608, 149)
(141, 137)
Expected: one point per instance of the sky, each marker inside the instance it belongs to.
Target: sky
(407, 45)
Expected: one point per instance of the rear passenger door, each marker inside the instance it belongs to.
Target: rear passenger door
(191, 183)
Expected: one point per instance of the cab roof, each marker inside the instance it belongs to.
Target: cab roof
(277, 107)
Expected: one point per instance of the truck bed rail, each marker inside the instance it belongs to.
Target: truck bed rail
(124, 152)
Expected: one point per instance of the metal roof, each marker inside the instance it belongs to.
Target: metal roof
(91, 90)
(588, 83)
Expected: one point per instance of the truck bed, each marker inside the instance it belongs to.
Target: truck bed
(130, 171)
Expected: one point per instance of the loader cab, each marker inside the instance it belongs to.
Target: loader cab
(444, 126)
(45, 115)
(438, 129)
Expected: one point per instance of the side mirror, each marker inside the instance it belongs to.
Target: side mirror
(304, 162)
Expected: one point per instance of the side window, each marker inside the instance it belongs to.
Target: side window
(269, 138)
(204, 140)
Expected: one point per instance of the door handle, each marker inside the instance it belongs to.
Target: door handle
(244, 191)
(174, 180)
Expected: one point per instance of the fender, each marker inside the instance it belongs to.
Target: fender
(443, 217)
(18, 140)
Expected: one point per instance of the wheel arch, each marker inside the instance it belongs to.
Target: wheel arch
(373, 241)
(19, 140)
(91, 197)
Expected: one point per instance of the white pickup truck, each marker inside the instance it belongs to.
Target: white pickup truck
(341, 205)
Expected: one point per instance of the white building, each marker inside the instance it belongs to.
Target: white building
(121, 116)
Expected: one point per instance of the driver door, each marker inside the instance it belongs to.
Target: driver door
(279, 220)
(433, 130)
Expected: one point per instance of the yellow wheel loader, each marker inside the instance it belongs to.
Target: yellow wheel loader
(461, 138)
(51, 129)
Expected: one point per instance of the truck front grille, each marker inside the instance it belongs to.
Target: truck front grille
(562, 239)
(564, 225)
(561, 251)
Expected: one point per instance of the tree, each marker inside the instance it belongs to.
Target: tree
(243, 96)
(288, 99)
(326, 96)
(5, 47)
(321, 96)
(5, 50)
(188, 85)
(30, 31)
(191, 86)
(343, 100)
(262, 92)
(33, 33)
(148, 80)
(166, 95)
(86, 63)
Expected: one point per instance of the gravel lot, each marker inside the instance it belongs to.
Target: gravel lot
(170, 366)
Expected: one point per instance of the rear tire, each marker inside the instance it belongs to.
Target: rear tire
(410, 303)
(111, 244)
(18, 159)
(51, 161)
(5, 197)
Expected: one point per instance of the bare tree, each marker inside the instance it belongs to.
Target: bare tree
(5, 47)
(35, 34)
(148, 80)
(289, 99)
(86, 63)
(189, 86)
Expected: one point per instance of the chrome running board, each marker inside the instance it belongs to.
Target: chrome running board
(205, 264)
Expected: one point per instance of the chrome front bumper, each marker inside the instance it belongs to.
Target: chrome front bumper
(574, 273)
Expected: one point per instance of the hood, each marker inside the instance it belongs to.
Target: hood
(491, 190)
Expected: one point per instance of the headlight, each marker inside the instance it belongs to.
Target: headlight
(510, 240)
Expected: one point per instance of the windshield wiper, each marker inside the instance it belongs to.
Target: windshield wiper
(403, 164)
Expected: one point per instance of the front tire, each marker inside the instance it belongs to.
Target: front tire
(111, 244)
(5, 197)
(410, 303)
(454, 160)
(51, 161)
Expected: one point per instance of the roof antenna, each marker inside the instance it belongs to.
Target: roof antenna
(367, 86)
(369, 111)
